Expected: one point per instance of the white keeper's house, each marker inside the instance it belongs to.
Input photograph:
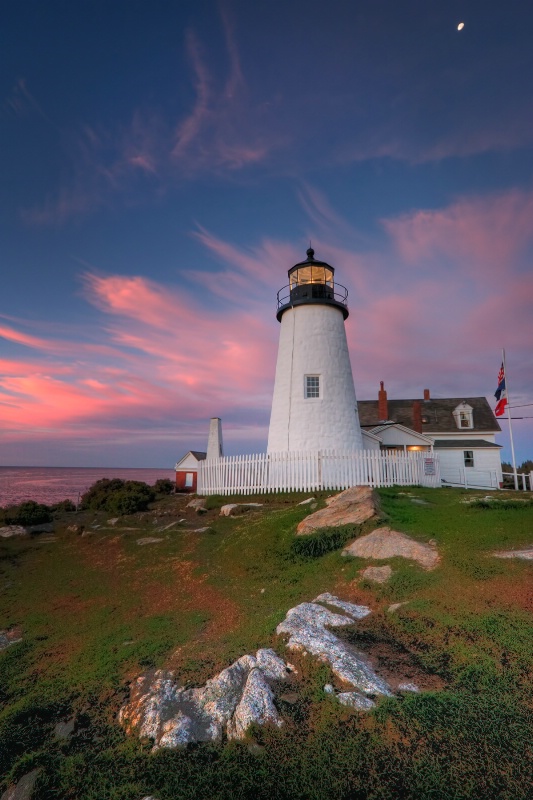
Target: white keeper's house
(320, 437)
(459, 430)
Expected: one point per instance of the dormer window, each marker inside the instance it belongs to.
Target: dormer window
(464, 416)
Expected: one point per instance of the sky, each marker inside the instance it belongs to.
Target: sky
(163, 164)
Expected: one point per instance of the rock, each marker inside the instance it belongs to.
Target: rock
(386, 543)
(198, 504)
(351, 507)
(228, 703)
(526, 554)
(308, 627)
(328, 689)
(23, 789)
(75, 529)
(170, 525)
(112, 521)
(149, 540)
(408, 687)
(9, 637)
(9, 531)
(232, 509)
(355, 700)
(377, 574)
(65, 728)
(306, 502)
(395, 606)
(419, 502)
(45, 527)
(202, 530)
(256, 705)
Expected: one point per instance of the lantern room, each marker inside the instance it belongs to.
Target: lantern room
(312, 281)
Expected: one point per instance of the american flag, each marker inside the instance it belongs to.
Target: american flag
(500, 394)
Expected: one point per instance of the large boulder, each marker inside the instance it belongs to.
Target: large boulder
(351, 507)
(385, 543)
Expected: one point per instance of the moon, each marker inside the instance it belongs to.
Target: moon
(460, 26)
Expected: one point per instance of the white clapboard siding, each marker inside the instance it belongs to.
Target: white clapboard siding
(311, 471)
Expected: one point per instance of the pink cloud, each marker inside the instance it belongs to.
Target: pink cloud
(488, 233)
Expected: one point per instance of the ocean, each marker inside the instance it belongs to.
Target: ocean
(52, 484)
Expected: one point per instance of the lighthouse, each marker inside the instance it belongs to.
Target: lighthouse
(314, 405)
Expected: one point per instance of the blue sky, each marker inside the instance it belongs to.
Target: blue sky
(163, 164)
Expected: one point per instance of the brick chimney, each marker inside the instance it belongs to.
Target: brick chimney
(383, 409)
(426, 394)
(417, 416)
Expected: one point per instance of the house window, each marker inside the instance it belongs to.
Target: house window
(312, 386)
(189, 479)
(469, 458)
(464, 416)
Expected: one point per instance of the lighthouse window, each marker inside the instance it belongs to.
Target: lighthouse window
(312, 386)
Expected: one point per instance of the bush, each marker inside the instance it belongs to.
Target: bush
(117, 496)
(28, 513)
(164, 486)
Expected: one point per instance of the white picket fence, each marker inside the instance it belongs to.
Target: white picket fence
(311, 471)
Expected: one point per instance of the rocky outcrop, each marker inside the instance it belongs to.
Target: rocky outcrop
(171, 716)
(351, 507)
(385, 543)
(228, 703)
(308, 628)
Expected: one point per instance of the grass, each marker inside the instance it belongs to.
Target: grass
(97, 610)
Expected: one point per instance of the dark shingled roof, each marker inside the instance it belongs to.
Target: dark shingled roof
(462, 443)
(199, 456)
(439, 413)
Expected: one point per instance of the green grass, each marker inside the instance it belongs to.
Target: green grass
(96, 611)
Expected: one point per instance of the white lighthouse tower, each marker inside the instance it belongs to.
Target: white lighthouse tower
(314, 405)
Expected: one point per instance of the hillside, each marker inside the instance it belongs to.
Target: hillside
(171, 588)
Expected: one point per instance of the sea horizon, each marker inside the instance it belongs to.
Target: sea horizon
(51, 485)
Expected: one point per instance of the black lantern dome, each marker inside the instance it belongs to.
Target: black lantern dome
(312, 281)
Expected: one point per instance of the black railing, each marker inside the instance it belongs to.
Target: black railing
(337, 293)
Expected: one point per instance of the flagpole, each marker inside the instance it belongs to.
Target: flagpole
(509, 417)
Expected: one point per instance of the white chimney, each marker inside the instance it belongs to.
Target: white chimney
(215, 448)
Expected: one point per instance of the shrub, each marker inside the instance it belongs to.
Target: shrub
(28, 513)
(98, 494)
(117, 496)
(164, 486)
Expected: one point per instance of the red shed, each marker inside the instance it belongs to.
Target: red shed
(187, 471)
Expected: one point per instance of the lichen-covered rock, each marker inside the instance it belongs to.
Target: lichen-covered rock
(351, 507)
(228, 703)
(386, 543)
(308, 627)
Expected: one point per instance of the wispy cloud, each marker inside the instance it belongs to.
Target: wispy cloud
(223, 132)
